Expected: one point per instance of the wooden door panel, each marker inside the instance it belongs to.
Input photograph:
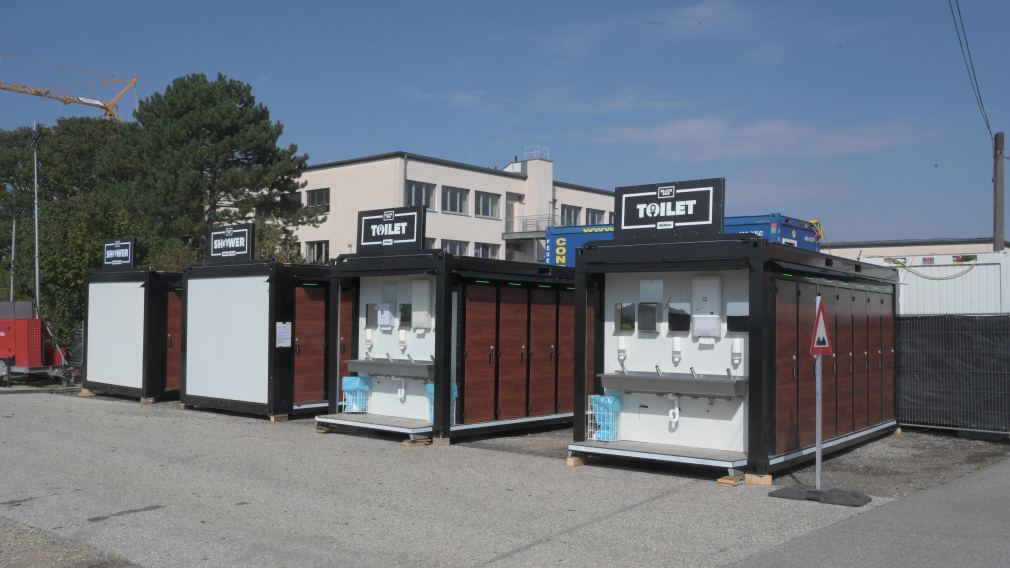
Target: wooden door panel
(513, 352)
(479, 354)
(829, 368)
(173, 341)
(887, 342)
(543, 349)
(876, 378)
(807, 388)
(860, 354)
(566, 350)
(309, 344)
(786, 395)
(845, 360)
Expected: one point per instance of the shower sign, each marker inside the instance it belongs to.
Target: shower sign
(118, 254)
(665, 211)
(385, 230)
(230, 244)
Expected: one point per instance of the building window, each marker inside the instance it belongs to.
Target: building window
(429, 244)
(317, 252)
(454, 200)
(419, 193)
(318, 198)
(294, 197)
(457, 248)
(485, 250)
(570, 215)
(594, 217)
(486, 204)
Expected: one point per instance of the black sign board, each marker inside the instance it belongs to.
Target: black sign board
(118, 254)
(232, 244)
(389, 230)
(665, 211)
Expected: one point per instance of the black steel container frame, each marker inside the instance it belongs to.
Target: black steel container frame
(765, 262)
(284, 278)
(451, 273)
(156, 287)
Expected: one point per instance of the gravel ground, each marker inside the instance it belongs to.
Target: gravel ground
(160, 486)
(22, 546)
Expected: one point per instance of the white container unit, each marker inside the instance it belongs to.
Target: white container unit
(396, 350)
(673, 359)
(951, 284)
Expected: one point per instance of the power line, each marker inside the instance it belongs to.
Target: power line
(969, 63)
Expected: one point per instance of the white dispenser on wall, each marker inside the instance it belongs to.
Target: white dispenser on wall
(706, 309)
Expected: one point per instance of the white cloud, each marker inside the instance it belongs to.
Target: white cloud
(453, 99)
(623, 100)
(704, 18)
(710, 137)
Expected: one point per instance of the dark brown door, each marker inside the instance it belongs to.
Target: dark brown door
(786, 367)
(345, 345)
(513, 352)
(876, 349)
(845, 360)
(861, 356)
(829, 369)
(479, 354)
(309, 344)
(173, 342)
(887, 342)
(566, 350)
(591, 369)
(808, 381)
(543, 350)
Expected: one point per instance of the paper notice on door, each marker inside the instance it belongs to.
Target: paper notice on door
(283, 334)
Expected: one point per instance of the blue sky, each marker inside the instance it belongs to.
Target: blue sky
(859, 113)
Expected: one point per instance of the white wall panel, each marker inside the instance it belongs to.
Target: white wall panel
(115, 350)
(228, 338)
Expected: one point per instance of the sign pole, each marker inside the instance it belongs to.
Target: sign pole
(819, 440)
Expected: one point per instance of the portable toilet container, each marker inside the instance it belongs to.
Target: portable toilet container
(133, 328)
(704, 341)
(256, 334)
(441, 345)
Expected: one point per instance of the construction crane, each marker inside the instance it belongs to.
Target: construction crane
(110, 107)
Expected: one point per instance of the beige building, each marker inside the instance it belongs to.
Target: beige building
(472, 211)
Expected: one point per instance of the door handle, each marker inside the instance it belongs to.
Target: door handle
(298, 347)
(796, 366)
(522, 357)
(170, 344)
(343, 348)
(490, 359)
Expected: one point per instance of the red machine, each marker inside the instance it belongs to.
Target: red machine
(25, 344)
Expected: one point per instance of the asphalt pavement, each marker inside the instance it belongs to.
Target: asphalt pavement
(160, 486)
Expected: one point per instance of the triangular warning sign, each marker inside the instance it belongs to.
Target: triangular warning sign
(820, 342)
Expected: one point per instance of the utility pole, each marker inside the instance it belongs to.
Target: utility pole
(36, 139)
(997, 193)
(14, 232)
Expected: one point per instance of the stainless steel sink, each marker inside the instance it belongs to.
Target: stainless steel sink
(393, 368)
(677, 383)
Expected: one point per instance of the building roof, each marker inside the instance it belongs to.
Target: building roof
(448, 163)
(911, 243)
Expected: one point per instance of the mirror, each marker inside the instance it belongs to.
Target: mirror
(405, 316)
(624, 317)
(647, 320)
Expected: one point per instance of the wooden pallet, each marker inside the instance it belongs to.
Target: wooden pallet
(417, 442)
(86, 393)
(730, 480)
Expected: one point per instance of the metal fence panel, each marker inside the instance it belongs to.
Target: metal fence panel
(954, 372)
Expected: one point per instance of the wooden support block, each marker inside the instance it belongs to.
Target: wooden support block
(147, 400)
(323, 429)
(184, 406)
(897, 431)
(417, 442)
(86, 393)
(751, 479)
(575, 461)
(730, 480)
(278, 417)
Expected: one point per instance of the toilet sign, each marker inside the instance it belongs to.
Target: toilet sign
(391, 230)
(820, 343)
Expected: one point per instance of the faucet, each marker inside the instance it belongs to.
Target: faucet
(693, 374)
(389, 357)
(409, 358)
(368, 355)
(658, 372)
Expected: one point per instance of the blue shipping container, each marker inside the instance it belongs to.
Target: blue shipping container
(562, 242)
